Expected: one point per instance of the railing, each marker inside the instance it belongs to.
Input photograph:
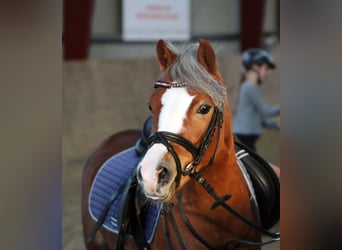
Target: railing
(117, 38)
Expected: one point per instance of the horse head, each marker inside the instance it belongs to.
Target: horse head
(188, 107)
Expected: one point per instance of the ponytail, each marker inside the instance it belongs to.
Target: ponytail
(237, 93)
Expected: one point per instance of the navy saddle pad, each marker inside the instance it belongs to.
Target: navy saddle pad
(113, 173)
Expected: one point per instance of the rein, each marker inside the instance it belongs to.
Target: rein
(165, 138)
(219, 201)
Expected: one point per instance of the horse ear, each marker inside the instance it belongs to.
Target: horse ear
(206, 57)
(165, 55)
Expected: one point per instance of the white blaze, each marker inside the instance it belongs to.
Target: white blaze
(175, 104)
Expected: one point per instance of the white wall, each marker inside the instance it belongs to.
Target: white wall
(212, 17)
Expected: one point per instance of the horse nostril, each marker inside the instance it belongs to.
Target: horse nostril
(163, 175)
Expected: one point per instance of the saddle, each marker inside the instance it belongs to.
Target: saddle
(265, 182)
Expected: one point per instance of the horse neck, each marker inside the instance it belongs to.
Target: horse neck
(225, 177)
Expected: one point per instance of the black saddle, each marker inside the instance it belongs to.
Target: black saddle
(265, 182)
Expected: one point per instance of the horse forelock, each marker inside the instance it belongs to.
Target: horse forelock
(186, 68)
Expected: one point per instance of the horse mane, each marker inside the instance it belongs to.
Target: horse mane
(186, 68)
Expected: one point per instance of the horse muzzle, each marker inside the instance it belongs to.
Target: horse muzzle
(160, 187)
(156, 173)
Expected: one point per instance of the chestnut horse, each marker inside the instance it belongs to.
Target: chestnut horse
(190, 162)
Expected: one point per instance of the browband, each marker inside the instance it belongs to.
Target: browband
(172, 84)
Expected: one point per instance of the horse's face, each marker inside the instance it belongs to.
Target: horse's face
(182, 111)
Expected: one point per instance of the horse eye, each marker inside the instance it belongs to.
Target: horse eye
(204, 109)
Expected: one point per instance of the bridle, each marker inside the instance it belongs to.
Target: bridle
(165, 137)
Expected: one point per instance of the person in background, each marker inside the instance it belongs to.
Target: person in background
(252, 112)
